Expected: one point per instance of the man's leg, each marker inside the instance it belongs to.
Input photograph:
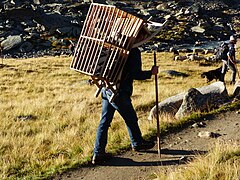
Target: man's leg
(124, 106)
(224, 70)
(234, 72)
(102, 131)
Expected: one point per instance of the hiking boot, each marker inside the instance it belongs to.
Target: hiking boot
(145, 145)
(99, 159)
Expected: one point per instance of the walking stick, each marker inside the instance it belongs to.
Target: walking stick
(156, 90)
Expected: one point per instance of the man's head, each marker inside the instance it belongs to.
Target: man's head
(233, 39)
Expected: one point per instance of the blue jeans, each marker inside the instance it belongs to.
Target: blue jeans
(228, 64)
(122, 103)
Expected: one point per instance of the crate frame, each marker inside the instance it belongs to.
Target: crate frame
(110, 31)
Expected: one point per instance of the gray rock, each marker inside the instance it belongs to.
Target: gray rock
(26, 118)
(64, 30)
(11, 42)
(198, 29)
(175, 73)
(194, 9)
(199, 125)
(54, 20)
(193, 101)
(218, 28)
(205, 134)
(168, 106)
(39, 2)
(211, 96)
(26, 47)
(215, 93)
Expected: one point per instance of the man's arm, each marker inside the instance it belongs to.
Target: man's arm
(136, 67)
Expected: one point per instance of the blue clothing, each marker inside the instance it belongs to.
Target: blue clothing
(225, 65)
(229, 64)
(122, 103)
(231, 51)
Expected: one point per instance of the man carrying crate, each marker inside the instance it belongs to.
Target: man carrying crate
(122, 103)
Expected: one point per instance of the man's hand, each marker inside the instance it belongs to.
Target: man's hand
(154, 70)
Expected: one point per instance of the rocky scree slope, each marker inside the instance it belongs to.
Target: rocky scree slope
(47, 27)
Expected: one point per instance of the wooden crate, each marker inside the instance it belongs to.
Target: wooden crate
(103, 47)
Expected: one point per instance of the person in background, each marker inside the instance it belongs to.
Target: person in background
(230, 61)
(122, 103)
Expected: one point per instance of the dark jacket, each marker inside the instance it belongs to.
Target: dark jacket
(133, 71)
(231, 51)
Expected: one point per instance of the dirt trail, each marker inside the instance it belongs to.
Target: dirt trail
(175, 150)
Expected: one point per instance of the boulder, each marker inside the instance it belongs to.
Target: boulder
(26, 47)
(175, 73)
(193, 101)
(198, 29)
(167, 106)
(214, 94)
(205, 134)
(180, 58)
(38, 1)
(194, 57)
(11, 42)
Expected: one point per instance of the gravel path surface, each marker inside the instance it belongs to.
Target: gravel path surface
(176, 148)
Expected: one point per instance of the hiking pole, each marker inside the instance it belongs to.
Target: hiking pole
(156, 90)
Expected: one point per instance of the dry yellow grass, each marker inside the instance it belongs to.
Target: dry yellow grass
(222, 162)
(49, 115)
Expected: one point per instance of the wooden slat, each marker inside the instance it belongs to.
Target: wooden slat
(114, 64)
(115, 52)
(96, 53)
(92, 45)
(82, 44)
(116, 26)
(119, 66)
(112, 29)
(111, 66)
(85, 28)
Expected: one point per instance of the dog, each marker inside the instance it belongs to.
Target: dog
(212, 74)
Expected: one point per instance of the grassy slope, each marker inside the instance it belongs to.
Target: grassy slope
(61, 114)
